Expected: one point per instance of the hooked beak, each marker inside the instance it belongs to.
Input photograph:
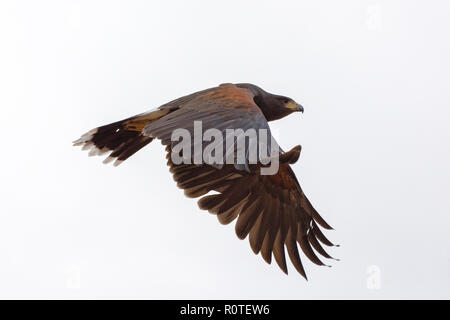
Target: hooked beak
(294, 106)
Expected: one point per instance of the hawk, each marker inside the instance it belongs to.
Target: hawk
(271, 210)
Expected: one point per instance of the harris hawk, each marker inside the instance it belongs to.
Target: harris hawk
(271, 210)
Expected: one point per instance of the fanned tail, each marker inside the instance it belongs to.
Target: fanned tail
(120, 139)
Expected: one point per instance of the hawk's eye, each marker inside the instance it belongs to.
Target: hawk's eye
(285, 101)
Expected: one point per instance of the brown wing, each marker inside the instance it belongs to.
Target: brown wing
(224, 107)
(272, 210)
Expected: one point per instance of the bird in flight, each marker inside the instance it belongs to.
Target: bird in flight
(271, 209)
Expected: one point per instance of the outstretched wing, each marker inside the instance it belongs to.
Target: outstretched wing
(221, 108)
(271, 209)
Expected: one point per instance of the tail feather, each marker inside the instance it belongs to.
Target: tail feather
(121, 139)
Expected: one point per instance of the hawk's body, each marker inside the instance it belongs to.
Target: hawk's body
(271, 209)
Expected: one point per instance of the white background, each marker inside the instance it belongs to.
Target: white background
(373, 77)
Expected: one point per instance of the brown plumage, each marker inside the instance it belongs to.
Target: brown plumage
(271, 210)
